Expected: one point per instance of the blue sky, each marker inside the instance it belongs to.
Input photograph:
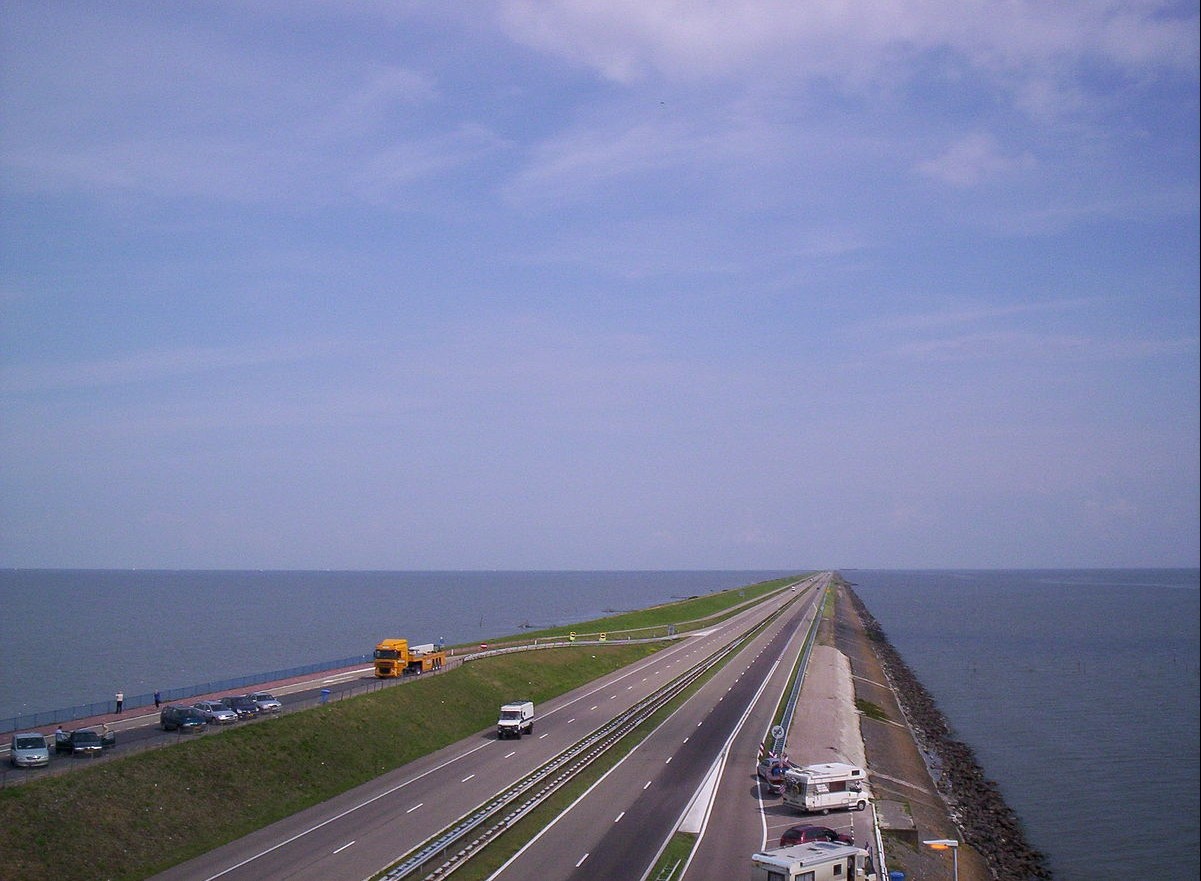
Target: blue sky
(567, 285)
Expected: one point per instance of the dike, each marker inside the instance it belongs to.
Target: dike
(976, 806)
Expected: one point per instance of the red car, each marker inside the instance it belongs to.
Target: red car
(804, 834)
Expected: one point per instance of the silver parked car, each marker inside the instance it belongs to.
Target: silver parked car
(266, 701)
(215, 712)
(29, 750)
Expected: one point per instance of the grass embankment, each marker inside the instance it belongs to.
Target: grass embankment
(685, 615)
(131, 817)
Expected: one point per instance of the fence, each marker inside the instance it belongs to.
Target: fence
(132, 702)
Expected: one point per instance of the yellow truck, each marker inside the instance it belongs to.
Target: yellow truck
(394, 657)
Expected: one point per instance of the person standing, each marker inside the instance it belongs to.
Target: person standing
(120, 701)
(158, 699)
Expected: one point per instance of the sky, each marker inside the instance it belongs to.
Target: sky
(582, 285)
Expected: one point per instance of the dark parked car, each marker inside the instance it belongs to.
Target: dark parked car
(83, 742)
(173, 717)
(242, 705)
(804, 834)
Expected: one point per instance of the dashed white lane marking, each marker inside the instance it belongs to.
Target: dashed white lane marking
(510, 755)
(415, 807)
(468, 777)
(581, 862)
(619, 816)
(343, 847)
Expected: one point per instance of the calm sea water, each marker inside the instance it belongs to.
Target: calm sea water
(1078, 691)
(71, 637)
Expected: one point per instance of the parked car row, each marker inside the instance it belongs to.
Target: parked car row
(31, 749)
(176, 717)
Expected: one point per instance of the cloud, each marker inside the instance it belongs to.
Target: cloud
(152, 366)
(627, 41)
(1031, 347)
(971, 160)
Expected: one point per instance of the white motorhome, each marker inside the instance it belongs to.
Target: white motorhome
(831, 785)
(516, 719)
(816, 861)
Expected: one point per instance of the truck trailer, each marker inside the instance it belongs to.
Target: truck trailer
(820, 788)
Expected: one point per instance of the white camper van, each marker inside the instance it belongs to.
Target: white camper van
(816, 861)
(824, 787)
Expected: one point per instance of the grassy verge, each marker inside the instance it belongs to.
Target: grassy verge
(695, 612)
(671, 863)
(128, 818)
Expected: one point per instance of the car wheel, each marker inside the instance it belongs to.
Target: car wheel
(862, 806)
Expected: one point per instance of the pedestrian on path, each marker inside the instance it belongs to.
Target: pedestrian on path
(120, 701)
(158, 699)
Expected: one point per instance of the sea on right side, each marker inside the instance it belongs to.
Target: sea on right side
(1078, 691)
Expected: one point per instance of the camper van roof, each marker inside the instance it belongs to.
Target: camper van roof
(812, 854)
(834, 768)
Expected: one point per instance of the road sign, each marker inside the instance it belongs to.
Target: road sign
(777, 732)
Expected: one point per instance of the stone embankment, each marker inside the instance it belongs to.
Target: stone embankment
(985, 821)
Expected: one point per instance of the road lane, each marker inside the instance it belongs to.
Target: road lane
(622, 822)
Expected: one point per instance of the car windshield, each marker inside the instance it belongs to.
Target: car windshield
(86, 737)
(31, 742)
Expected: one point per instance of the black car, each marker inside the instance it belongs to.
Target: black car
(83, 742)
(243, 705)
(804, 834)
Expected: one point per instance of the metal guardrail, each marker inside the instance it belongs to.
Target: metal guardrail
(133, 702)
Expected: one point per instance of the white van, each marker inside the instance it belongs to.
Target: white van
(29, 750)
(824, 787)
(516, 719)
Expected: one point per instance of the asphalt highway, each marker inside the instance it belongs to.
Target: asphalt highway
(363, 831)
(619, 827)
